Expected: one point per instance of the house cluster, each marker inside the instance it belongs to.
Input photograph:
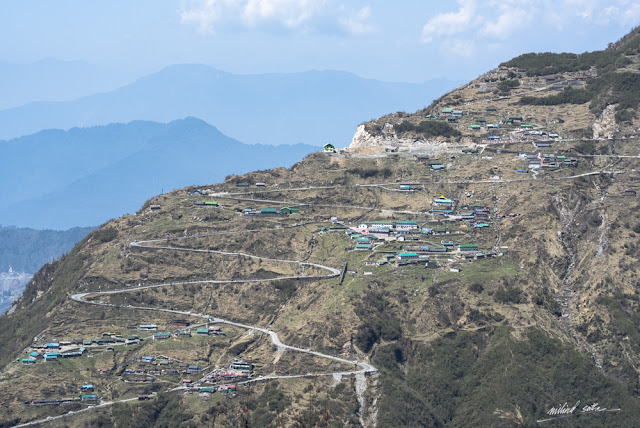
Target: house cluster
(453, 116)
(78, 347)
(86, 396)
(213, 329)
(421, 254)
(502, 73)
(53, 351)
(204, 391)
(369, 235)
(547, 160)
(476, 216)
(270, 212)
(60, 401)
(237, 370)
(183, 330)
(540, 135)
(480, 122)
(558, 82)
(150, 366)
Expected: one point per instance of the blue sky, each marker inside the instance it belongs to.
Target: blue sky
(411, 40)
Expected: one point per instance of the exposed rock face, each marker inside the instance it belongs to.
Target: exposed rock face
(605, 125)
(361, 139)
(366, 144)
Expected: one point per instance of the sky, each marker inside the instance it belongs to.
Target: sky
(402, 41)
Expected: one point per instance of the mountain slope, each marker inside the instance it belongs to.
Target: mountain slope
(268, 109)
(81, 177)
(461, 341)
(576, 96)
(483, 282)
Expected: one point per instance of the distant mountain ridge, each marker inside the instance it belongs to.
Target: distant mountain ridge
(11, 287)
(55, 80)
(26, 250)
(84, 176)
(311, 107)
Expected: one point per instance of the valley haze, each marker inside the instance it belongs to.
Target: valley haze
(84, 176)
(312, 107)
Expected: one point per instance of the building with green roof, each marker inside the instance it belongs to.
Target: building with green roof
(408, 256)
(468, 247)
(269, 211)
(161, 336)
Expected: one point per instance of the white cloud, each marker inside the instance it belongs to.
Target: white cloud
(500, 20)
(358, 22)
(291, 13)
(631, 14)
(301, 15)
(205, 13)
(460, 47)
(488, 22)
(446, 24)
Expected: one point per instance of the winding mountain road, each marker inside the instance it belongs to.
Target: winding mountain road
(363, 368)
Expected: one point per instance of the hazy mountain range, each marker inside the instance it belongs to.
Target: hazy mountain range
(311, 107)
(11, 287)
(85, 176)
(23, 251)
(55, 80)
(26, 250)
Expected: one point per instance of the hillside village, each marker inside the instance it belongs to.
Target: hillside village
(536, 97)
(364, 283)
(454, 224)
